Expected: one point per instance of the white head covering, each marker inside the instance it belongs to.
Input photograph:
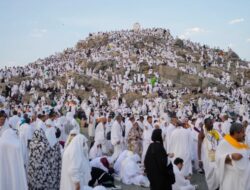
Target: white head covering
(122, 156)
(130, 168)
(12, 173)
(51, 136)
(4, 127)
(76, 166)
(69, 139)
(74, 123)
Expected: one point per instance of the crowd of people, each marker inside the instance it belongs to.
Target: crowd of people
(49, 149)
(51, 138)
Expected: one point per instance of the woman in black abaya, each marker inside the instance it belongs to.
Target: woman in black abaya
(158, 170)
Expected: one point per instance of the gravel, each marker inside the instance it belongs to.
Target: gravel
(197, 179)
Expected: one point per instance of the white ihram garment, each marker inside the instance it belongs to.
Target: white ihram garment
(75, 164)
(12, 172)
(181, 144)
(237, 175)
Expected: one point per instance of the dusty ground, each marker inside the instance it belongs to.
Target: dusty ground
(196, 179)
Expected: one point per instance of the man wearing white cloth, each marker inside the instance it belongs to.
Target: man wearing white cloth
(92, 123)
(13, 121)
(132, 173)
(225, 125)
(117, 137)
(25, 135)
(180, 146)
(171, 127)
(180, 182)
(147, 133)
(232, 160)
(100, 138)
(208, 141)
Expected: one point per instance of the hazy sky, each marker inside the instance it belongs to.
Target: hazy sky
(32, 29)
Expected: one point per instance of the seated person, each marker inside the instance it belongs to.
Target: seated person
(101, 173)
(96, 150)
(131, 171)
(180, 182)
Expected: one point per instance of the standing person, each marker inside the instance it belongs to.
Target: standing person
(3, 124)
(135, 139)
(109, 124)
(225, 125)
(247, 132)
(12, 172)
(51, 132)
(100, 138)
(171, 127)
(91, 126)
(208, 141)
(180, 145)
(40, 121)
(75, 165)
(117, 136)
(101, 129)
(158, 168)
(147, 133)
(232, 160)
(13, 121)
(25, 135)
(140, 122)
(196, 127)
(128, 125)
(38, 167)
(55, 162)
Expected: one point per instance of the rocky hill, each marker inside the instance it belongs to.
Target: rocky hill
(97, 61)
